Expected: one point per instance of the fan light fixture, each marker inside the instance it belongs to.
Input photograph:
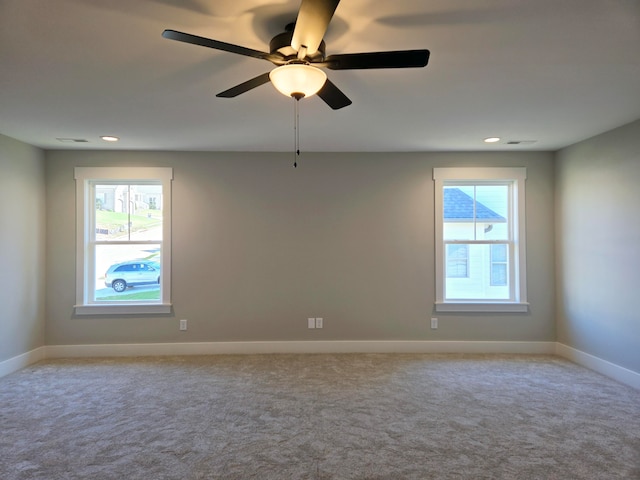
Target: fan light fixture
(297, 80)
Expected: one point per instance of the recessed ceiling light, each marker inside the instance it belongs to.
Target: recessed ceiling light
(492, 140)
(109, 138)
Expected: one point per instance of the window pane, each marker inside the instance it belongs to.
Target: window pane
(478, 285)
(458, 212)
(476, 212)
(492, 212)
(128, 212)
(127, 273)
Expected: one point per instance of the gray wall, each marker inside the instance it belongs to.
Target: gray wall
(259, 246)
(22, 244)
(598, 246)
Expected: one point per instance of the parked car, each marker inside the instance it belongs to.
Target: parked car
(120, 276)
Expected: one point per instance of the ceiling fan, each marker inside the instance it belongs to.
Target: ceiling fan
(298, 53)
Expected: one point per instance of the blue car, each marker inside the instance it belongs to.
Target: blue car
(134, 272)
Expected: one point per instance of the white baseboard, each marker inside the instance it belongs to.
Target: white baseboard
(599, 365)
(18, 362)
(364, 346)
(611, 370)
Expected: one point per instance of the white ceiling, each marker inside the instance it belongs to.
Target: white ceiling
(553, 71)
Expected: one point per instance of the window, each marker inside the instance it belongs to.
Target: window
(480, 239)
(123, 245)
(457, 261)
(499, 265)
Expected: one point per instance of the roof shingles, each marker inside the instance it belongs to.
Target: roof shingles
(458, 206)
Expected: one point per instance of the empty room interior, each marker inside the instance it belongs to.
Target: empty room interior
(426, 266)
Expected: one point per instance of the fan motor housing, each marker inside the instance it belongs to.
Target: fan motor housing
(281, 43)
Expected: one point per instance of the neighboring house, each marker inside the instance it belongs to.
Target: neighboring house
(475, 271)
(116, 198)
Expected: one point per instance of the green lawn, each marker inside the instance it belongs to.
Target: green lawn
(117, 222)
(147, 295)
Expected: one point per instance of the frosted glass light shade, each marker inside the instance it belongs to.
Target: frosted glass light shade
(297, 79)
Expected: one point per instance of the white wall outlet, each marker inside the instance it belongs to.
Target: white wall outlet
(311, 322)
(434, 323)
(183, 324)
(319, 322)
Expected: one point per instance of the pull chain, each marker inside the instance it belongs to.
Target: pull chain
(296, 130)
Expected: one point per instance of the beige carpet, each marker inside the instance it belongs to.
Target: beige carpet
(317, 417)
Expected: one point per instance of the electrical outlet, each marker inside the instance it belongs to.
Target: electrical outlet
(434, 323)
(319, 322)
(311, 322)
(183, 324)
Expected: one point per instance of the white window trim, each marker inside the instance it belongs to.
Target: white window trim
(516, 174)
(84, 210)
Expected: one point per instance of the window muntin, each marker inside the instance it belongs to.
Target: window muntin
(480, 211)
(123, 245)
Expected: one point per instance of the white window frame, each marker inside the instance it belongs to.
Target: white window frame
(85, 210)
(516, 177)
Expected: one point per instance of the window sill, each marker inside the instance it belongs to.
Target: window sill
(480, 307)
(122, 309)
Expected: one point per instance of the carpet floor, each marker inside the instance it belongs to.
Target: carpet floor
(317, 417)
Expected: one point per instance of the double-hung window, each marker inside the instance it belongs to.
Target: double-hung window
(123, 244)
(480, 239)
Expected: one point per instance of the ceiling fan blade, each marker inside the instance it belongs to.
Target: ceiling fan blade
(312, 22)
(245, 87)
(393, 59)
(333, 96)
(227, 47)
